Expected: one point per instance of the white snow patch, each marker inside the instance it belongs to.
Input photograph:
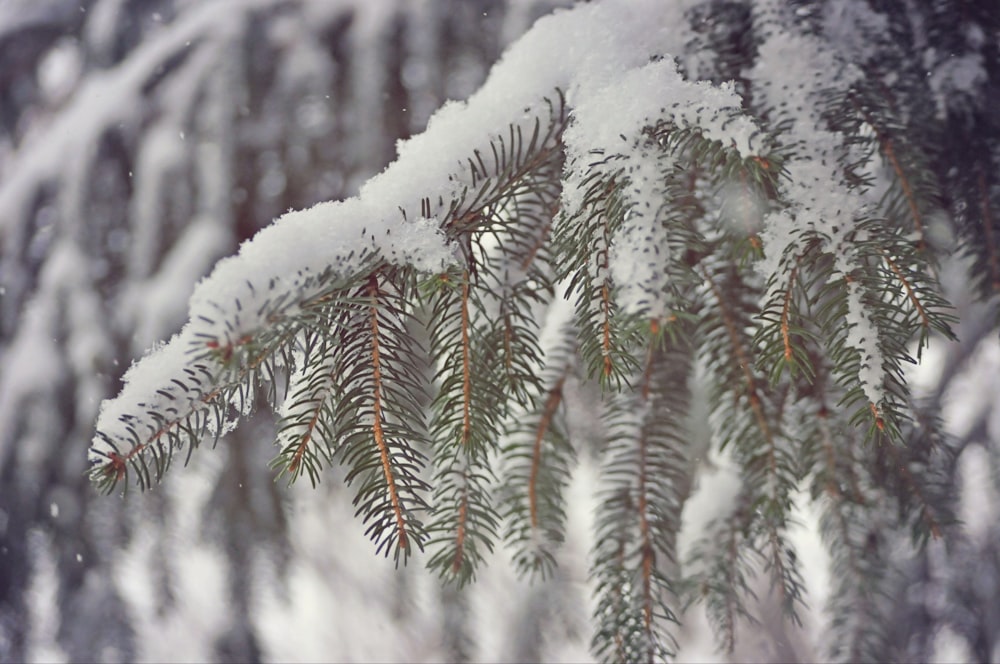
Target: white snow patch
(713, 497)
(862, 334)
(778, 234)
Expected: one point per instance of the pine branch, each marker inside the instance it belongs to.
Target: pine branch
(904, 182)
(639, 518)
(548, 414)
(723, 563)
(187, 409)
(536, 462)
(585, 242)
(467, 415)
(402, 541)
(858, 629)
(767, 465)
(381, 441)
(741, 229)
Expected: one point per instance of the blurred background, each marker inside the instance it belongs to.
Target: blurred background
(140, 141)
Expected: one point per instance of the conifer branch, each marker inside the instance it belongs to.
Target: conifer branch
(302, 446)
(724, 562)
(185, 422)
(602, 257)
(377, 423)
(606, 330)
(551, 405)
(785, 311)
(856, 565)
(537, 461)
(466, 364)
(644, 474)
(926, 509)
(925, 322)
(645, 537)
(543, 238)
(830, 456)
(463, 508)
(763, 463)
(467, 413)
(656, 230)
(742, 359)
(855, 611)
(904, 182)
(727, 616)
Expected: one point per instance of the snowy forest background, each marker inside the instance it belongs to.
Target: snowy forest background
(140, 141)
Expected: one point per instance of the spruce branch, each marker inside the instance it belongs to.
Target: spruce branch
(585, 241)
(904, 182)
(767, 465)
(859, 588)
(694, 237)
(536, 461)
(552, 402)
(639, 521)
(378, 422)
(722, 566)
(466, 423)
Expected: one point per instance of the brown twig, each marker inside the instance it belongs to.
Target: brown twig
(380, 439)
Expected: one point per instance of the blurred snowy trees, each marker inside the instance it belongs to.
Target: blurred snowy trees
(141, 141)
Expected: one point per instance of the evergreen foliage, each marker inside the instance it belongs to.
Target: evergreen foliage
(788, 275)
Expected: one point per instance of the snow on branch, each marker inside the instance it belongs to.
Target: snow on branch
(607, 135)
(796, 75)
(597, 54)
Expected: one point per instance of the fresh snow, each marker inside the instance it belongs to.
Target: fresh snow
(862, 334)
(788, 76)
(607, 125)
(581, 52)
(612, 61)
